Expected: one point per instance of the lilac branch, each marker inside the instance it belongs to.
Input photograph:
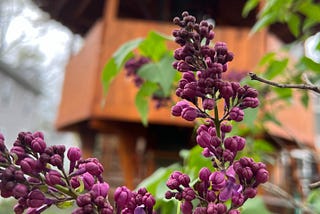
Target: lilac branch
(306, 86)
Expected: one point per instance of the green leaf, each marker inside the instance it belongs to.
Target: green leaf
(153, 46)
(142, 99)
(310, 64)
(65, 204)
(267, 58)
(276, 67)
(311, 10)
(294, 24)
(161, 72)
(115, 63)
(249, 6)
(251, 206)
(283, 93)
(109, 71)
(125, 52)
(270, 117)
(263, 22)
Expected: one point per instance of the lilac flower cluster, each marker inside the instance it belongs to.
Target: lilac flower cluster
(202, 89)
(34, 174)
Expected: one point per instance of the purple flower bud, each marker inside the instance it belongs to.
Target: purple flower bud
(18, 209)
(35, 198)
(189, 113)
(94, 167)
(246, 173)
(204, 174)
(203, 139)
(241, 142)
(237, 199)
(74, 182)
(122, 196)
(100, 189)
(250, 192)
(74, 154)
(20, 190)
(88, 180)
(208, 104)
(177, 109)
(59, 149)
(28, 165)
(249, 102)
(226, 128)
(173, 183)
(186, 207)
(218, 180)
(231, 144)
(38, 134)
(149, 201)
(139, 210)
(56, 160)
(234, 211)
(262, 176)
(19, 151)
(211, 196)
(83, 199)
(236, 114)
(54, 177)
(188, 194)
(169, 194)
(184, 180)
(99, 201)
(228, 155)
(38, 145)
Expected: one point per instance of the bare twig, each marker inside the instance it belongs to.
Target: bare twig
(314, 185)
(306, 86)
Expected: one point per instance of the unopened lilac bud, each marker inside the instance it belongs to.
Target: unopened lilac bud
(38, 145)
(236, 114)
(237, 199)
(56, 160)
(28, 165)
(38, 134)
(59, 149)
(241, 142)
(262, 176)
(186, 207)
(20, 190)
(122, 196)
(83, 199)
(94, 167)
(169, 194)
(228, 155)
(211, 196)
(177, 109)
(172, 183)
(204, 174)
(188, 194)
(74, 154)
(208, 104)
(189, 113)
(249, 102)
(218, 180)
(19, 151)
(250, 192)
(35, 198)
(148, 200)
(74, 182)
(88, 180)
(184, 180)
(203, 139)
(234, 211)
(100, 189)
(54, 177)
(226, 128)
(231, 144)
(18, 209)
